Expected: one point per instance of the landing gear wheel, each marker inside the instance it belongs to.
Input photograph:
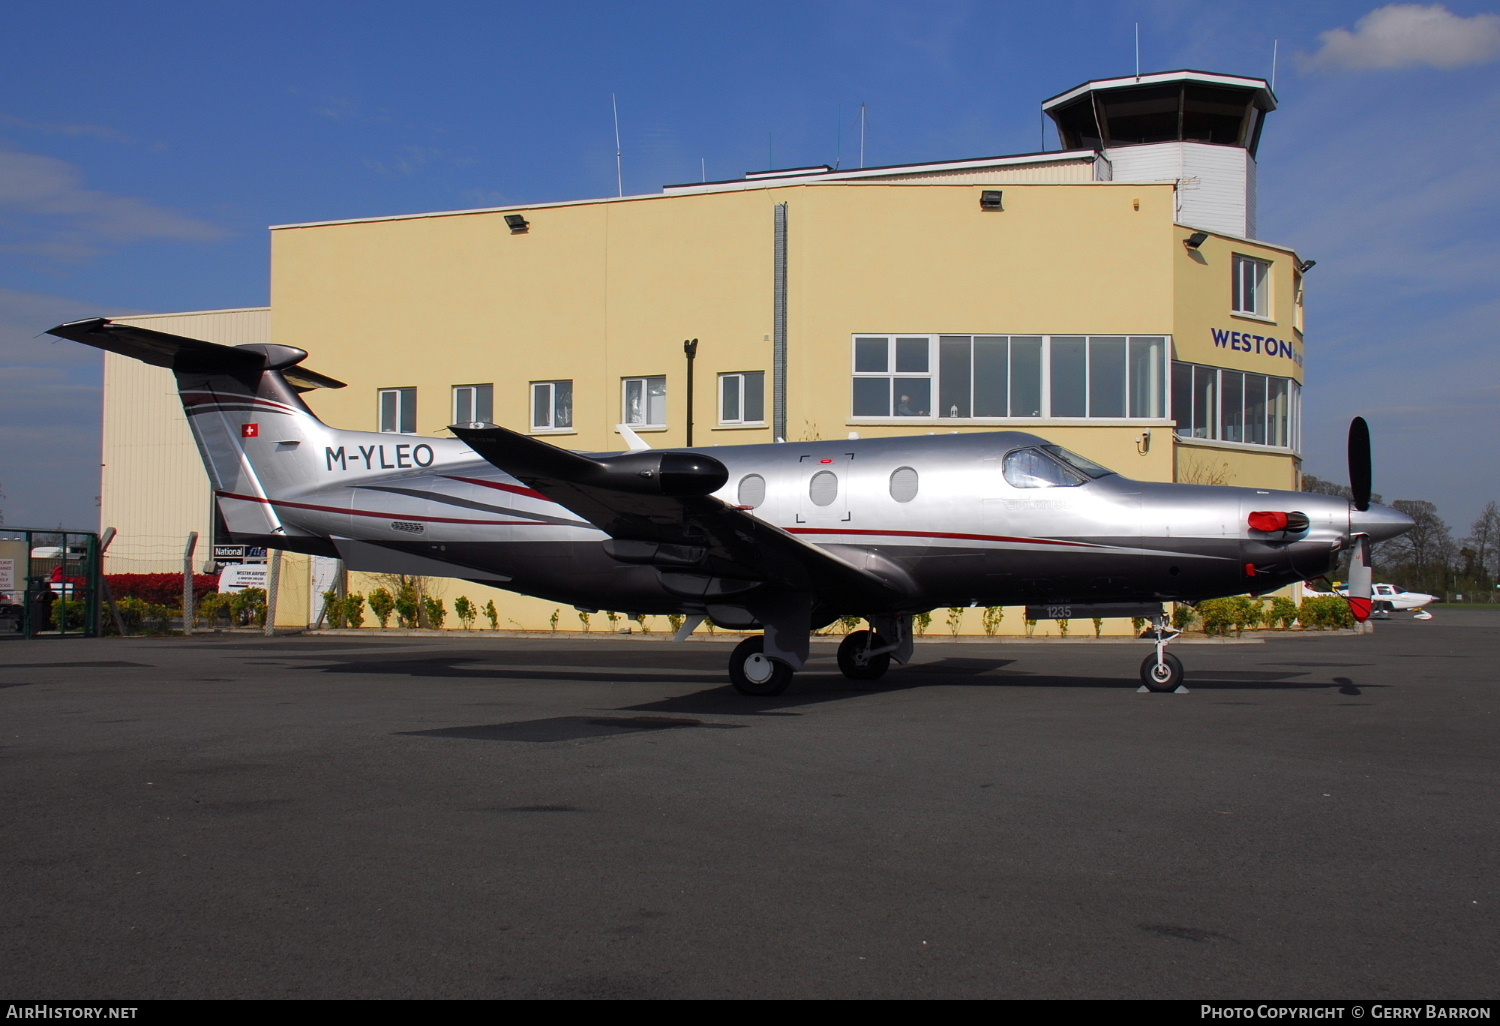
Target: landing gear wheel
(1163, 676)
(854, 660)
(753, 673)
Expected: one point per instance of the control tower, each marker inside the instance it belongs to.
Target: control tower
(1194, 128)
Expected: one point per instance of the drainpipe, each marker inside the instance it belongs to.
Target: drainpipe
(778, 350)
(690, 347)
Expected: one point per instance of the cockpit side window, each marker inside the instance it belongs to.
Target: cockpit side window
(1034, 468)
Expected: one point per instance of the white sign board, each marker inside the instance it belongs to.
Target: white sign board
(7, 574)
(239, 576)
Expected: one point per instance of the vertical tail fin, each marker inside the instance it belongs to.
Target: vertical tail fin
(242, 402)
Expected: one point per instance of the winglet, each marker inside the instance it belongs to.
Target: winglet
(633, 440)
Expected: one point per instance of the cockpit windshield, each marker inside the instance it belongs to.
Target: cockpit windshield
(1049, 466)
(1088, 468)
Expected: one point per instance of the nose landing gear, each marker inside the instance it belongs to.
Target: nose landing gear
(1162, 671)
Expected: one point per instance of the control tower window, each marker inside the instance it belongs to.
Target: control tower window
(1252, 286)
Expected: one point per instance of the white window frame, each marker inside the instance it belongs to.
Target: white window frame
(645, 383)
(1218, 422)
(406, 403)
(1161, 389)
(549, 388)
(475, 406)
(739, 377)
(1251, 287)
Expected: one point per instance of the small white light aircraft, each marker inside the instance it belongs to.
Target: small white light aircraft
(1392, 598)
(784, 538)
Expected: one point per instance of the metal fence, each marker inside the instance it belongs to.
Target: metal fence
(49, 583)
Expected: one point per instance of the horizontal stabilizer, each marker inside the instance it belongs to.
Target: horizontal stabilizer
(179, 353)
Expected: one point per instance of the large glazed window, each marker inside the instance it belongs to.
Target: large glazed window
(398, 410)
(979, 377)
(1236, 406)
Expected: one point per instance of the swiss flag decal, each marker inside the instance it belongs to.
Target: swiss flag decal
(250, 431)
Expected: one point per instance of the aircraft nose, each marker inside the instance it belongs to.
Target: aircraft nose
(1379, 522)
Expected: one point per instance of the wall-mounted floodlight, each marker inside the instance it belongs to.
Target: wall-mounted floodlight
(1306, 265)
(517, 223)
(989, 199)
(1195, 240)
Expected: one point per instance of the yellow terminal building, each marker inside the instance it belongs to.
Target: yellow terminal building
(1109, 296)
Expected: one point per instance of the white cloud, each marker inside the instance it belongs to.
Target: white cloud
(52, 190)
(1406, 35)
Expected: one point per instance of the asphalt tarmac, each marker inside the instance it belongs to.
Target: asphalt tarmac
(234, 816)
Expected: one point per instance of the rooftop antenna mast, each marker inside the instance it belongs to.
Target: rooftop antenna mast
(1274, 44)
(861, 135)
(838, 148)
(1137, 51)
(619, 172)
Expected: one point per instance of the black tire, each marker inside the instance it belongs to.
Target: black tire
(855, 664)
(1164, 677)
(752, 673)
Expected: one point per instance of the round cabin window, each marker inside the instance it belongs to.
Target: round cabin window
(823, 488)
(903, 484)
(752, 490)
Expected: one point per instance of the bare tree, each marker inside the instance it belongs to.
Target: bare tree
(1482, 548)
(1423, 556)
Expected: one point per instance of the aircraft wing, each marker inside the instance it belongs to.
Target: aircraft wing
(660, 498)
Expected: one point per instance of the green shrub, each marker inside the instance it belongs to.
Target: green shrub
(955, 619)
(1325, 612)
(383, 605)
(408, 605)
(991, 619)
(248, 607)
(215, 607)
(1183, 617)
(922, 622)
(676, 621)
(583, 618)
(1098, 626)
(333, 609)
(1281, 611)
(492, 615)
(68, 614)
(1221, 614)
(132, 613)
(354, 609)
(436, 614)
(849, 623)
(556, 615)
(465, 611)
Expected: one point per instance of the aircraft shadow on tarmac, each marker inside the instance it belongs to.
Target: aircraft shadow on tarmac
(811, 688)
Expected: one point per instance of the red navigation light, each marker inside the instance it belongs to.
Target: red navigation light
(1268, 521)
(825, 461)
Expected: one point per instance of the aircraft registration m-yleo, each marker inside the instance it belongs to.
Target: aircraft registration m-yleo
(783, 538)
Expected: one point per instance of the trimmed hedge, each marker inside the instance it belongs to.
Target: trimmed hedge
(160, 589)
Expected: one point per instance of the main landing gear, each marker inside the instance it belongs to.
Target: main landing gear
(752, 672)
(763, 665)
(1161, 671)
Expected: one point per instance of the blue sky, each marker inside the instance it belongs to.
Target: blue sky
(145, 147)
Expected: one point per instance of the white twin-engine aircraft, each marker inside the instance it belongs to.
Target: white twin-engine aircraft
(784, 538)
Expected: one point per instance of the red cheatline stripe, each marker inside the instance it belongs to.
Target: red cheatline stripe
(214, 398)
(942, 534)
(382, 516)
(530, 493)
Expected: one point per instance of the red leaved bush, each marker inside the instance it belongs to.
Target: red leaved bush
(160, 589)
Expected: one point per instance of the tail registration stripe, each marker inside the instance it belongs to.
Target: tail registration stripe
(380, 516)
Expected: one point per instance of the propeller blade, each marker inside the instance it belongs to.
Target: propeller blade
(1359, 462)
(1361, 580)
